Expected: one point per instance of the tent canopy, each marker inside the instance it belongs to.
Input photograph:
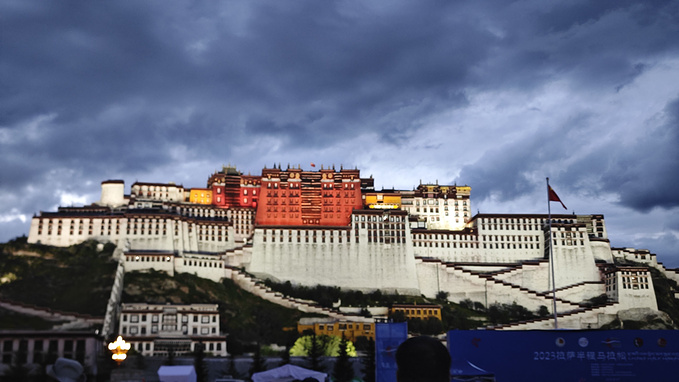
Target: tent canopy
(177, 374)
(288, 373)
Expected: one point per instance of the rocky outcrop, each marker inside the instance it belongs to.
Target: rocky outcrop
(642, 318)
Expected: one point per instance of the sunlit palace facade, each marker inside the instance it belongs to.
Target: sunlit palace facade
(329, 226)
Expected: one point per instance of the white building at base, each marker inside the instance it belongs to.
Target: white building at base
(156, 330)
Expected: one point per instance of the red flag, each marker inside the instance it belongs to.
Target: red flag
(553, 197)
(312, 164)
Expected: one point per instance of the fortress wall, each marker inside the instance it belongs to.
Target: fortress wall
(429, 280)
(573, 265)
(142, 243)
(156, 262)
(601, 250)
(113, 305)
(503, 294)
(533, 277)
(208, 268)
(462, 285)
(588, 319)
(582, 292)
(361, 266)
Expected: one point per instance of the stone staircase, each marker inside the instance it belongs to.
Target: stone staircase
(255, 286)
(582, 318)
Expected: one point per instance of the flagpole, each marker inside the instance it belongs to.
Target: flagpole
(551, 256)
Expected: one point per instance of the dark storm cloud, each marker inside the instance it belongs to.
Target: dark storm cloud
(644, 173)
(92, 91)
(607, 43)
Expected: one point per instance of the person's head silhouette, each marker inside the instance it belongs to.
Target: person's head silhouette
(422, 359)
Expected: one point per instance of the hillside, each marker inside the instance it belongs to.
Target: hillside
(79, 278)
(74, 279)
(243, 316)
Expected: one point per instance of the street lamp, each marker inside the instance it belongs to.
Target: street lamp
(119, 349)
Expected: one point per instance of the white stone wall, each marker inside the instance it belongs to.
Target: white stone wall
(533, 276)
(158, 192)
(461, 285)
(510, 238)
(601, 250)
(582, 292)
(112, 194)
(112, 307)
(440, 213)
(574, 266)
(305, 260)
(583, 319)
(140, 232)
(140, 261)
(205, 266)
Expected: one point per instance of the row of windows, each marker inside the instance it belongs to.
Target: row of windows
(526, 227)
(381, 218)
(419, 312)
(445, 245)
(148, 258)
(204, 319)
(568, 234)
(44, 351)
(205, 264)
(146, 346)
(509, 246)
(438, 236)
(568, 242)
(539, 221)
(331, 327)
(508, 238)
(142, 330)
(307, 239)
(432, 202)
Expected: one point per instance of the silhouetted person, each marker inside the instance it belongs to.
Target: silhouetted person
(422, 359)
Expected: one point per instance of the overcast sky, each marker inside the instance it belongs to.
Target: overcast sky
(497, 95)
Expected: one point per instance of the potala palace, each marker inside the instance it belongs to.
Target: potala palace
(331, 227)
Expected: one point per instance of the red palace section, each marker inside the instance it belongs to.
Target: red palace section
(295, 197)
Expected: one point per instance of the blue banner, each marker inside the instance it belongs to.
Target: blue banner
(601, 355)
(388, 336)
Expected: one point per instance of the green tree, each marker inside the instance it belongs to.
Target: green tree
(343, 370)
(258, 363)
(170, 355)
(18, 371)
(285, 355)
(327, 345)
(232, 371)
(315, 352)
(369, 362)
(199, 362)
(432, 326)
(398, 316)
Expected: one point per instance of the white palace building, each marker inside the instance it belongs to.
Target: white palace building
(331, 227)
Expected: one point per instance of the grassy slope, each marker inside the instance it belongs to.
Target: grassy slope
(79, 279)
(243, 315)
(74, 279)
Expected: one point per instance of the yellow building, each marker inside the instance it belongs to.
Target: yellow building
(383, 200)
(200, 196)
(417, 311)
(332, 327)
